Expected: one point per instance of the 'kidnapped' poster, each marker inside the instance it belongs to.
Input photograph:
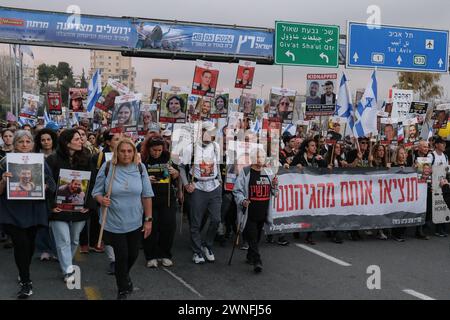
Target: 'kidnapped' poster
(27, 181)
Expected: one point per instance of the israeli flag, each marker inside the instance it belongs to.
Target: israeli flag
(367, 110)
(94, 90)
(46, 118)
(401, 133)
(430, 133)
(344, 107)
(25, 121)
(291, 129)
(74, 120)
(257, 126)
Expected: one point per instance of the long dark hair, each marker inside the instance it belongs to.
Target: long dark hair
(148, 143)
(179, 99)
(37, 139)
(305, 145)
(79, 158)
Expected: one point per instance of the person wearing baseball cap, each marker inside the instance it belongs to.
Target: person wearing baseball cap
(76, 102)
(202, 180)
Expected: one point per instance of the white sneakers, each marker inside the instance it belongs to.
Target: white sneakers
(209, 255)
(166, 262)
(198, 259)
(45, 256)
(152, 263)
(69, 277)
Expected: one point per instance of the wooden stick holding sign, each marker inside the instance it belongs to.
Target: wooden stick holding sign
(332, 156)
(105, 209)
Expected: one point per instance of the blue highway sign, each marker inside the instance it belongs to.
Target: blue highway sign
(397, 48)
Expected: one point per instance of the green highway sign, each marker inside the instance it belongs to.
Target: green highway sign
(302, 44)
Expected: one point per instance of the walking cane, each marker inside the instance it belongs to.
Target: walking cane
(105, 209)
(332, 156)
(182, 214)
(180, 187)
(235, 243)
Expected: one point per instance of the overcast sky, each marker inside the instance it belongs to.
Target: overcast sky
(260, 13)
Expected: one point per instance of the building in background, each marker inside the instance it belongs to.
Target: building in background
(113, 65)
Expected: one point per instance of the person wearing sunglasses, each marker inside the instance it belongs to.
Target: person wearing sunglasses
(284, 109)
(360, 158)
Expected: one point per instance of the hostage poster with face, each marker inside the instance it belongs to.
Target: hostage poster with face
(112, 90)
(126, 113)
(173, 104)
(27, 182)
(245, 74)
(72, 189)
(281, 107)
(321, 94)
(206, 76)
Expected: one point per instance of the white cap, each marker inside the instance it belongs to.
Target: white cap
(208, 126)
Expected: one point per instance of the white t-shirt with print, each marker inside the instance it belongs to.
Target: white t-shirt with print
(439, 160)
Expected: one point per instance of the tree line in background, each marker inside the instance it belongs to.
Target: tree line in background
(62, 74)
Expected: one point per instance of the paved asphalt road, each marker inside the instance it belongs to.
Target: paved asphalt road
(293, 272)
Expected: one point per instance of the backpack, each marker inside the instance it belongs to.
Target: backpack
(99, 160)
(434, 158)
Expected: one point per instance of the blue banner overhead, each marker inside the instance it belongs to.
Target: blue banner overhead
(61, 29)
(132, 36)
(199, 38)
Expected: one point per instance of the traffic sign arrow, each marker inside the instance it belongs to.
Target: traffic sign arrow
(290, 54)
(303, 44)
(422, 52)
(325, 57)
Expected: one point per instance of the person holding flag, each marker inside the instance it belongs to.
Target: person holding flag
(94, 90)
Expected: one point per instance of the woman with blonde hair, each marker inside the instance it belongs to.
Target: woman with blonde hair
(128, 204)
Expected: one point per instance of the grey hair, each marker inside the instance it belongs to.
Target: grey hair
(20, 134)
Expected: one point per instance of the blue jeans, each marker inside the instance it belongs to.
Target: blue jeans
(67, 238)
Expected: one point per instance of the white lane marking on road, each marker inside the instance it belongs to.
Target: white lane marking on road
(184, 283)
(324, 255)
(417, 294)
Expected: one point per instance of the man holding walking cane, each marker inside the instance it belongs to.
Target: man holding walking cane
(253, 192)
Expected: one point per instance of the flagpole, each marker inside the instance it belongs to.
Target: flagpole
(20, 72)
(11, 98)
(16, 82)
